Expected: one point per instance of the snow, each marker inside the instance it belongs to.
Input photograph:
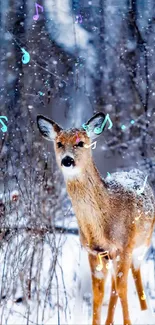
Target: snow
(129, 180)
(146, 317)
(133, 181)
(74, 291)
(87, 67)
(71, 36)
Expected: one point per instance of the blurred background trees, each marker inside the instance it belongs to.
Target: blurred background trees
(104, 63)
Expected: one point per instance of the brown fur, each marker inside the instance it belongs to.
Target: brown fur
(109, 217)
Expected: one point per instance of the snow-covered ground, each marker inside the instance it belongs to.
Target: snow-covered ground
(69, 301)
(85, 67)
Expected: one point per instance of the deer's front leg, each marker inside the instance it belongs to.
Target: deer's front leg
(98, 284)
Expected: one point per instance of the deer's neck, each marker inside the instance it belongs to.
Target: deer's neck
(88, 185)
(90, 200)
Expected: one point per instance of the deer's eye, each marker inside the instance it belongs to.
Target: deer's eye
(80, 144)
(59, 144)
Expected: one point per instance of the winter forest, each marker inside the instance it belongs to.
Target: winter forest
(79, 57)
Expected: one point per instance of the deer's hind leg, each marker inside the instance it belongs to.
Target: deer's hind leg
(136, 272)
(112, 302)
(98, 286)
(139, 287)
(121, 273)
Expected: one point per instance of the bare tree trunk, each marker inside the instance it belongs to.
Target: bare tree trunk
(98, 81)
(16, 26)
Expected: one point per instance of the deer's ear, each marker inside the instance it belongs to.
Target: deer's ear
(94, 126)
(47, 127)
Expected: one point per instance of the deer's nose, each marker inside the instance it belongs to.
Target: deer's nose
(67, 161)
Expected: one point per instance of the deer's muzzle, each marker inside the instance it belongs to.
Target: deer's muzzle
(67, 161)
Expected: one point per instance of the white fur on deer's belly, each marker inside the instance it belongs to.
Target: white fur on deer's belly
(138, 255)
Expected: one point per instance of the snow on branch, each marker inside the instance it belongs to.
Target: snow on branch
(68, 34)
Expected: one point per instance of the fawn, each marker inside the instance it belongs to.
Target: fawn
(115, 222)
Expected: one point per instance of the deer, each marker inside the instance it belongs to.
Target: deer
(115, 221)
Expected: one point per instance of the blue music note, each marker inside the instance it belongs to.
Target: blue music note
(26, 56)
(4, 127)
(98, 130)
(86, 128)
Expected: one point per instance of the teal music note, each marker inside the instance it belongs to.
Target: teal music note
(26, 56)
(98, 130)
(4, 127)
(86, 128)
